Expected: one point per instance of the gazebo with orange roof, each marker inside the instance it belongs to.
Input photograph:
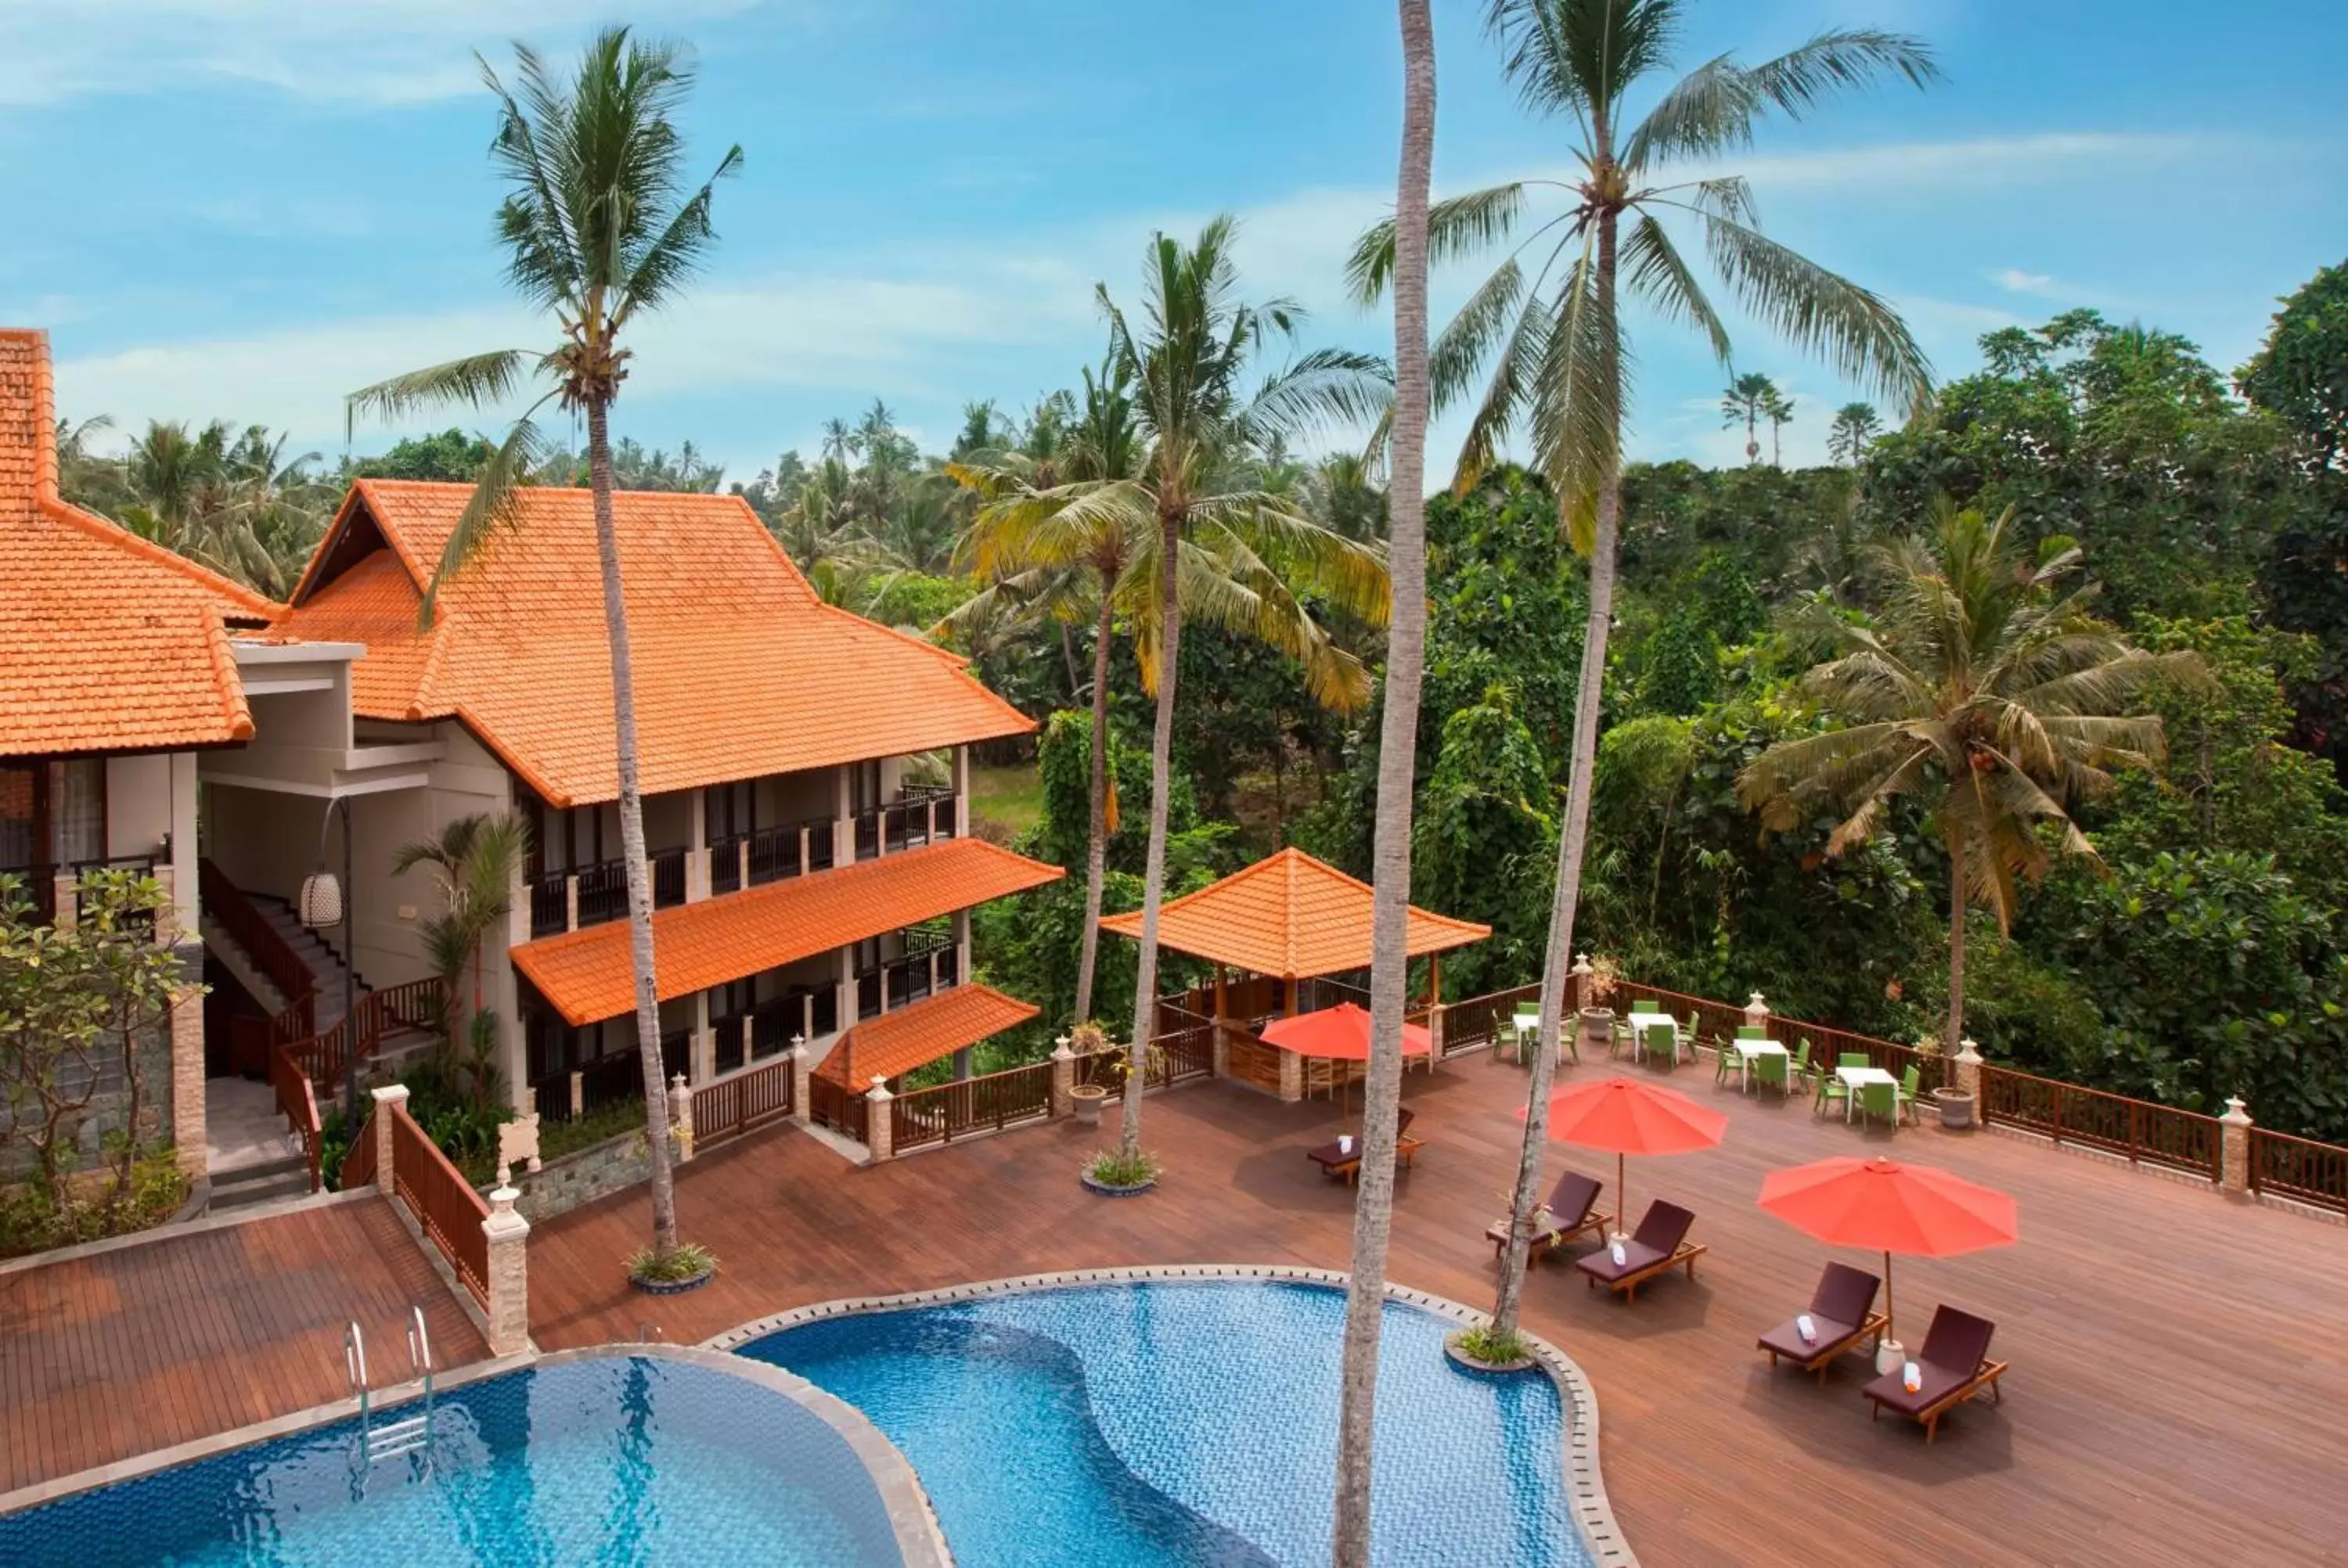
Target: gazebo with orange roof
(1290, 917)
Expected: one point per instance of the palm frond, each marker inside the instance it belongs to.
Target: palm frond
(1655, 270)
(1861, 335)
(1457, 227)
(494, 505)
(478, 381)
(1578, 399)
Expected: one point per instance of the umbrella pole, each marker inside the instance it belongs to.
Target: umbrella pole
(1621, 1202)
(1888, 1352)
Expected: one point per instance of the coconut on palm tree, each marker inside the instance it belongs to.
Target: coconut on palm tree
(601, 227)
(1981, 692)
(1554, 338)
(1397, 758)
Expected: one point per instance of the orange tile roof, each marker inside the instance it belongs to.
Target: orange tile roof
(107, 643)
(740, 669)
(1289, 916)
(917, 1035)
(586, 974)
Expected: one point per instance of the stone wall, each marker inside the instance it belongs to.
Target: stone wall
(600, 1168)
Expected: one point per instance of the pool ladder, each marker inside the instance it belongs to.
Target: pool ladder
(408, 1434)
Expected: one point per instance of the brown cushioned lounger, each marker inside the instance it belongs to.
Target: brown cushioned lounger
(1659, 1245)
(1572, 1210)
(1842, 1313)
(1955, 1366)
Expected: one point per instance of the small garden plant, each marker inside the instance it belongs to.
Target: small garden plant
(686, 1260)
(1116, 1168)
(1489, 1343)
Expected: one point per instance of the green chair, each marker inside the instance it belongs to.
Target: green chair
(1831, 1088)
(1723, 1055)
(1799, 1069)
(1880, 1100)
(1771, 1069)
(1663, 1040)
(1854, 1058)
(1751, 1031)
(1909, 1082)
(1623, 1038)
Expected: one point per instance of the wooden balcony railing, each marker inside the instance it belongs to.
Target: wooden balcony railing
(924, 815)
(667, 868)
(972, 1105)
(2065, 1113)
(444, 1203)
(358, 1160)
(919, 974)
(417, 1004)
(603, 893)
(726, 1106)
(842, 1110)
(2299, 1169)
(298, 1104)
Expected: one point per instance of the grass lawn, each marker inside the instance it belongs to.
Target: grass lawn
(1012, 798)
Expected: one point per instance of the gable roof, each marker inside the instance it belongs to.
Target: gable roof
(741, 669)
(587, 975)
(918, 1034)
(108, 642)
(1289, 916)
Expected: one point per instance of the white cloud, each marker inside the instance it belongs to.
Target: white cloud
(2014, 280)
(1914, 167)
(374, 52)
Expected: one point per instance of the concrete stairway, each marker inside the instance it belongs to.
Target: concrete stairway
(324, 964)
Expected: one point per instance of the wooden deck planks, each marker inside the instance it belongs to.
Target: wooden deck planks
(2178, 1394)
(107, 1357)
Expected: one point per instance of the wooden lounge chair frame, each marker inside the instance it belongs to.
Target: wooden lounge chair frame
(1827, 1352)
(1549, 1235)
(1986, 1376)
(1660, 1215)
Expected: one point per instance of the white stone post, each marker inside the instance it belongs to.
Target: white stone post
(802, 1080)
(1969, 1066)
(696, 855)
(66, 890)
(570, 903)
(187, 1029)
(577, 1094)
(704, 1040)
(388, 1099)
(508, 1303)
(1757, 1012)
(680, 1117)
(880, 1132)
(2234, 1149)
(1064, 1081)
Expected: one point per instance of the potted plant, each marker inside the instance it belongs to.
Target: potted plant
(689, 1265)
(1088, 1040)
(1597, 988)
(1955, 1106)
(1114, 1173)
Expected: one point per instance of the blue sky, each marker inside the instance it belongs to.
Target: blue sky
(246, 208)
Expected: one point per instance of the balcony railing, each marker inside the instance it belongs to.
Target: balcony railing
(603, 893)
(923, 814)
(768, 1029)
(594, 895)
(668, 878)
(908, 980)
(771, 855)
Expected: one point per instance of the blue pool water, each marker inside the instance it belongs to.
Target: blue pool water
(1191, 1422)
(625, 1460)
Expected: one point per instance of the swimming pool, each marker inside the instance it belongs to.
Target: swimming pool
(1192, 1422)
(654, 1459)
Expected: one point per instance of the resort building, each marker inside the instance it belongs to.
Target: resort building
(804, 773)
(117, 671)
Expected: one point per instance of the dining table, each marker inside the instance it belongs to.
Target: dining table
(1858, 1078)
(1749, 1051)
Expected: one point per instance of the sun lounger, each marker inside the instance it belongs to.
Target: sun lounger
(1336, 1160)
(1955, 1366)
(1842, 1313)
(1660, 1246)
(1572, 1210)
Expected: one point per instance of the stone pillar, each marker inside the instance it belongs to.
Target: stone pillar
(578, 1096)
(696, 855)
(187, 1027)
(1435, 1033)
(704, 1040)
(1578, 998)
(680, 1117)
(1291, 1076)
(570, 903)
(1757, 1012)
(1969, 1066)
(389, 1099)
(65, 889)
(1064, 1080)
(880, 1132)
(508, 1303)
(962, 792)
(2234, 1150)
(802, 1086)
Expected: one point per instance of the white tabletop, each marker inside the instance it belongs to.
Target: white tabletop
(1643, 1020)
(1858, 1077)
(1751, 1048)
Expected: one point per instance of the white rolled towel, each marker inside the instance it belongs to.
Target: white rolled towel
(1806, 1329)
(1911, 1377)
(1345, 1144)
(1622, 1254)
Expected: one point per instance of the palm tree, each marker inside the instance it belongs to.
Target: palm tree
(600, 230)
(1198, 341)
(1979, 691)
(473, 860)
(1856, 426)
(1780, 411)
(1747, 401)
(1397, 753)
(1557, 345)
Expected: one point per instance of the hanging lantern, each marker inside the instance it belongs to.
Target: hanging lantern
(321, 903)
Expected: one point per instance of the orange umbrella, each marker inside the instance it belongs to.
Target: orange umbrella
(1886, 1206)
(1631, 1116)
(1341, 1033)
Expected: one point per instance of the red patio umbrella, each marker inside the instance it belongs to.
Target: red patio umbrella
(1631, 1116)
(1885, 1207)
(1341, 1033)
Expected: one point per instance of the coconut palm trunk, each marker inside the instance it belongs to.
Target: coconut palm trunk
(632, 831)
(1096, 844)
(1397, 758)
(1953, 1034)
(1153, 869)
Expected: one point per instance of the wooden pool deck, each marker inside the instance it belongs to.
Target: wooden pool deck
(2179, 1382)
(124, 1351)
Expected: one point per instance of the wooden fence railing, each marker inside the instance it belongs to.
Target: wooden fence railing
(842, 1110)
(444, 1203)
(2299, 1169)
(1714, 1021)
(298, 1104)
(946, 1112)
(358, 1161)
(418, 1004)
(1476, 1024)
(2137, 1129)
(727, 1106)
(279, 964)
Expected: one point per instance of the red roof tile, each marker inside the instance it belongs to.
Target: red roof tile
(740, 669)
(587, 977)
(914, 1036)
(1289, 916)
(107, 643)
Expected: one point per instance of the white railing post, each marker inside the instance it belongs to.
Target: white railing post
(509, 1282)
(388, 1099)
(880, 1132)
(2234, 1149)
(680, 1118)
